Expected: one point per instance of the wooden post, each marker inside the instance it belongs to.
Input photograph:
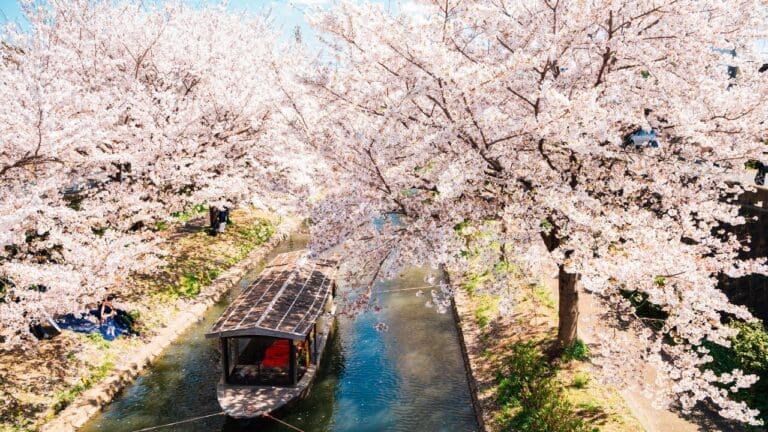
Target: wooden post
(292, 363)
(224, 358)
(314, 342)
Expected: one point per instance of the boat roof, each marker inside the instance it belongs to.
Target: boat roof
(284, 301)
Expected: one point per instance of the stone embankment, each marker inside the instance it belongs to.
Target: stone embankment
(469, 334)
(91, 401)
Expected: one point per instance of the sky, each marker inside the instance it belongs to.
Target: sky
(9, 10)
(287, 13)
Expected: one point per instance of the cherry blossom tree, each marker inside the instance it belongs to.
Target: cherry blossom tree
(117, 114)
(511, 121)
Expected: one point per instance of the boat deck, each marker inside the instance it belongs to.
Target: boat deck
(254, 401)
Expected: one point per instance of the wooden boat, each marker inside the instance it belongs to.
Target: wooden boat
(273, 335)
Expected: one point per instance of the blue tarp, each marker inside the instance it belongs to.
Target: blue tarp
(120, 324)
(643, 138)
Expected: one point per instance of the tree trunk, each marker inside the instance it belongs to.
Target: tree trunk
(213, 216)
(568, 293)
(568, 313)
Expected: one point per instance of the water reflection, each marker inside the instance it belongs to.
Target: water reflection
(409, 378)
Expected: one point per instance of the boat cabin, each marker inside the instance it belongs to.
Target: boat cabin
(272, 336)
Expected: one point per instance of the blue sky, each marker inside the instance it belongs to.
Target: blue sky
(9, 10)
(287, 14)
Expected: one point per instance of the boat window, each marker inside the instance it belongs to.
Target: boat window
(259, 361)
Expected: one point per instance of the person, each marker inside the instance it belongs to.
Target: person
(223, 219)
(106, 313)
(762, 170)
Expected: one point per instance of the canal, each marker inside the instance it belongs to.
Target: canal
(410, 377)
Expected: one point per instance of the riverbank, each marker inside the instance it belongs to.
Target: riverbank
(58, 384)
(488, 340)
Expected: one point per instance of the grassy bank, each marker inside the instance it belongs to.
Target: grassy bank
(41, 380)
(520, 385)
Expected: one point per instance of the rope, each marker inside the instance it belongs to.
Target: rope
(406, 289)
(282, 423)
(214, 415)
(180, 422)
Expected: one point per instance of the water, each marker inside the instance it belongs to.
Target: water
(410, 377)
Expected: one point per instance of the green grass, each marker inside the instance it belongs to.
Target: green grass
(487, 309)
(65, 397)
(543, 296)
(259, 233)
(475, 281)
(506, 267)
(580, 381)
(21, 424)
(590, 408)
(98, 340)
(189, 214)
(191, 283)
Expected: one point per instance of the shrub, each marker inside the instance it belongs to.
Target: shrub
(749, 353)
(577, 351)
(530, 397)
(651, 314)
(750, 346)
(580, 381)
(524, 369)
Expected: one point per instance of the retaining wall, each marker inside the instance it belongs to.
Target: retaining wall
(469, 332)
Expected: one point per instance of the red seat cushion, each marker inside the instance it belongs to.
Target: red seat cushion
(277, 355)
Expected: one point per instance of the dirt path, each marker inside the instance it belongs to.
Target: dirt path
(652, 419)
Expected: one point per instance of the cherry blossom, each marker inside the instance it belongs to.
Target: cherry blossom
(509, 123)
(116, 115)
